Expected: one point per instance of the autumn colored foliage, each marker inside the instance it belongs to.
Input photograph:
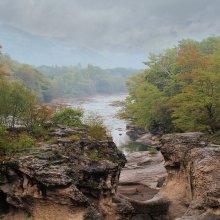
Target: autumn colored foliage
(180, 89)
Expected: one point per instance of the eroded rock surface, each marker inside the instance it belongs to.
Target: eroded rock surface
(193, 184)
(140, 181)
(71, 179)
(144, 168)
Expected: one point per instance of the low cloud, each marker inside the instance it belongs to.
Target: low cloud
(116, 26)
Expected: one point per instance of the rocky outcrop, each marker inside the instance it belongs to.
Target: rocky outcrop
(193, 183)
(144, 168)
(134, 132)
(140, 182)
(73, 177)
(70, 179)
(149, 139)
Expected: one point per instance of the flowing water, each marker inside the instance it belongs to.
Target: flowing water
(102, 105)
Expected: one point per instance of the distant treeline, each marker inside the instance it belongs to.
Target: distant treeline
(50, 82)
(179, 90)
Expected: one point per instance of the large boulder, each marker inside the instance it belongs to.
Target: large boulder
(193, 183)
(66, 180)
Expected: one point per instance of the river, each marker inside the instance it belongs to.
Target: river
(101, 105)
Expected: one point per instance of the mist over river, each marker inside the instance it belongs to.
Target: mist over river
(101, 104)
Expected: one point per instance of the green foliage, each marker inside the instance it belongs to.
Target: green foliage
(198, 106)
(16, 102)
(49, 82)
(34, 80)
(96, 127)
(24, 142)
(38, 131)
(69, 117)
(11, 142)
(180, 89)
(27, 75)
(72, 81)
(52, 140)
(95, 156)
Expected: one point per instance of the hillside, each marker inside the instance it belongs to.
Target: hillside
(50, 82)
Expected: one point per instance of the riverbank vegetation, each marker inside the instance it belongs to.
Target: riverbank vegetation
(25, 121)
(50, 82)
(179, 90)
(26, 115)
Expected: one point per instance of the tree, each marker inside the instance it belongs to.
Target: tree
(198, 106)
(69, 117)
(180, 89)
(4, 70)
(96, 126)
(15, 103)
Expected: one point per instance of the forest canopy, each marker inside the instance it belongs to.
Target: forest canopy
(179, 90)
(49, 82)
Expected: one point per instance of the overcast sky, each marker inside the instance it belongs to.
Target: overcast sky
(115, 26)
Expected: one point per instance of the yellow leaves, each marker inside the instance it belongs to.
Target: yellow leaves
(190, 57)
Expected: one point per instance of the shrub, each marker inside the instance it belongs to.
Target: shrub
(39, 131)
(96, 127)
(38, 116)
(24, 141)
(69, 117)
(10, 141)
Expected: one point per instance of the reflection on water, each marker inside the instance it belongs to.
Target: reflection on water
(134, 147)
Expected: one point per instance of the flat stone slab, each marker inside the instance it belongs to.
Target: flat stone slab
(144, 168)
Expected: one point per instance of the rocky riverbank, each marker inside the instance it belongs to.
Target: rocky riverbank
(69, 179)
(192, 184)
(76, 177)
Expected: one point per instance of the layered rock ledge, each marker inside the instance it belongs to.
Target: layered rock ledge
(70, 179)
(193, 183)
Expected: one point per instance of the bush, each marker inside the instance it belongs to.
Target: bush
(69, 117)
(10, 141)
(24, 141)
(96, 127)
(38, 116)
(39, 131)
